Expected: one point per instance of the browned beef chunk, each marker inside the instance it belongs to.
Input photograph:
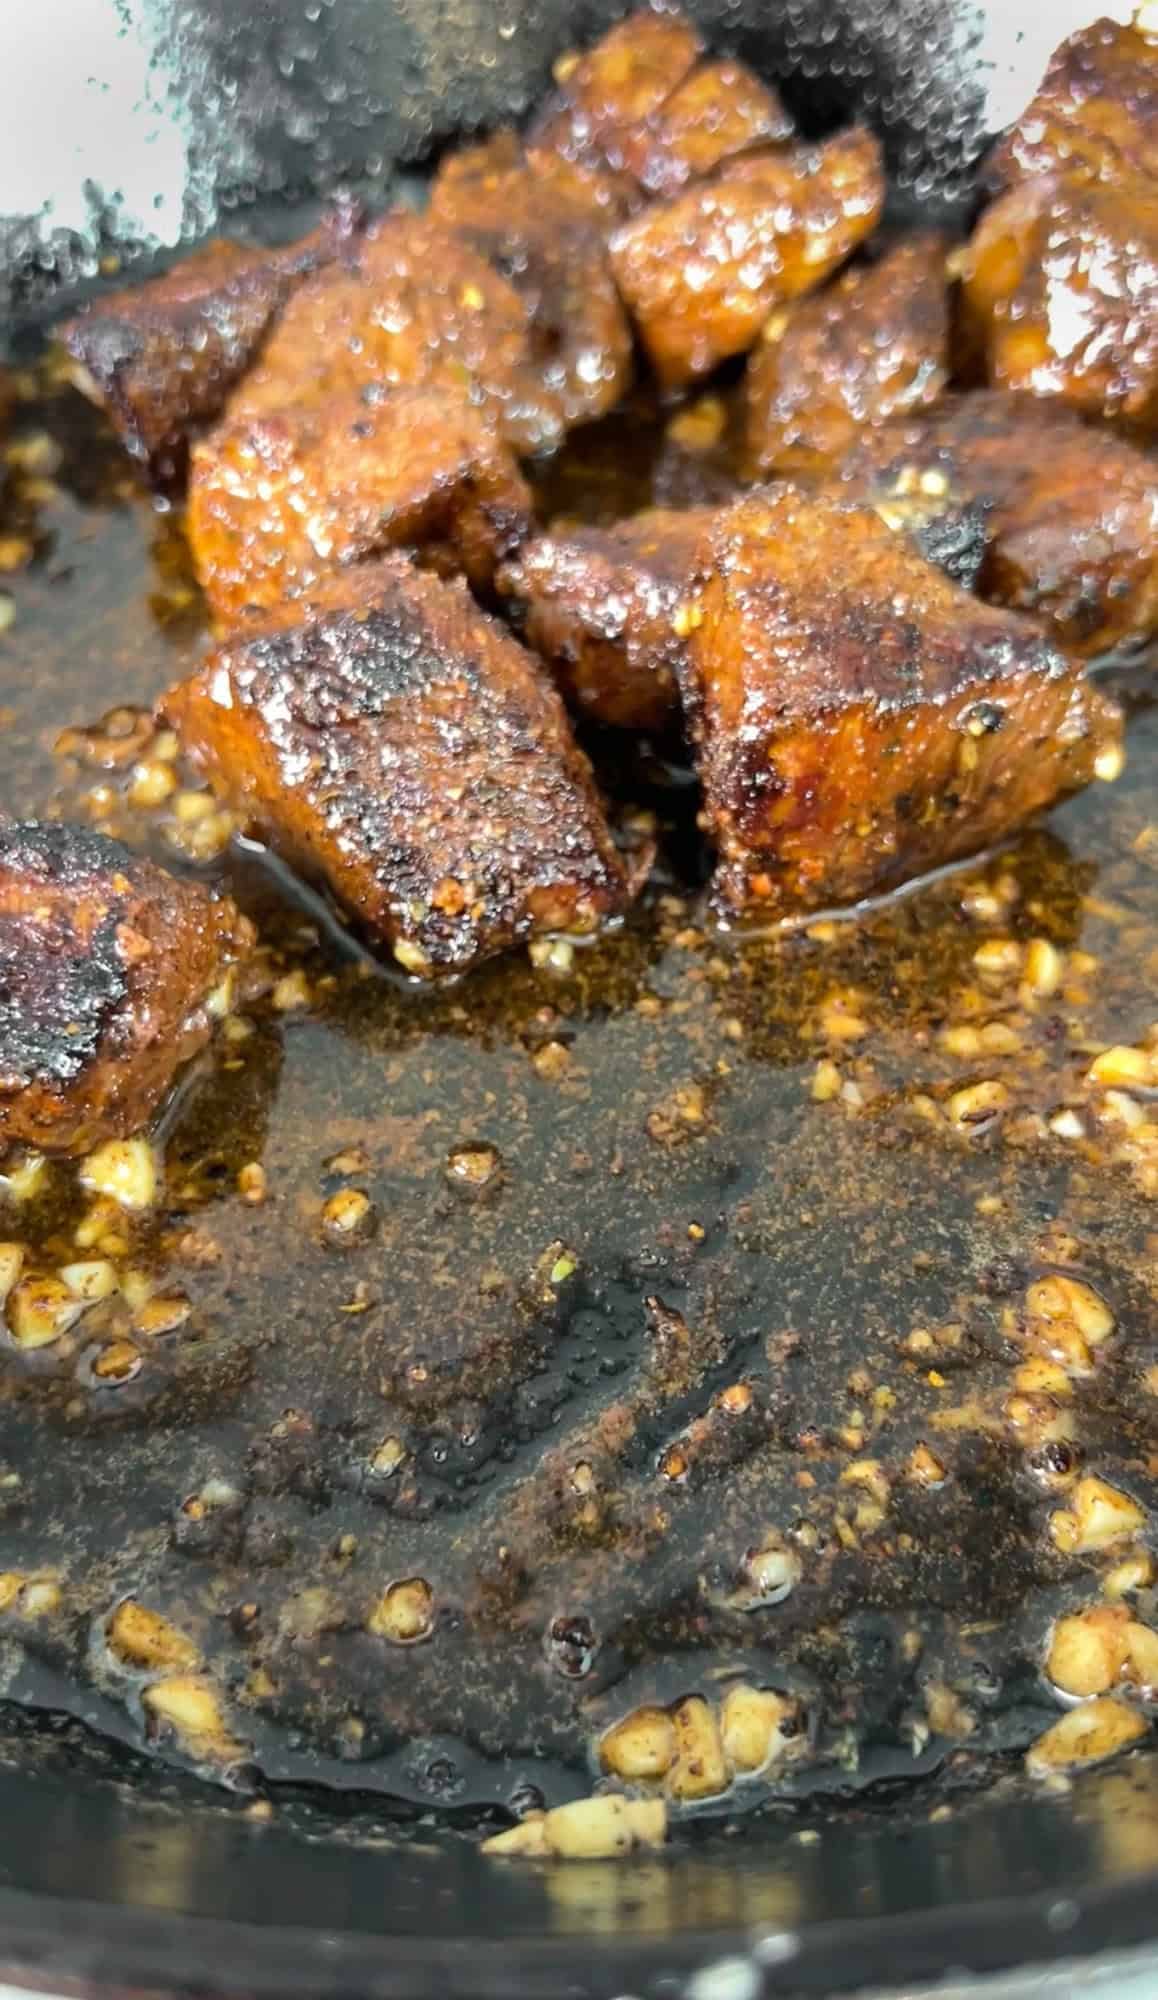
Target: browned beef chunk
(701, 273)
(858, 718)
(1096, 112)
(414, 307)
(598, 605)
(470, 173)
(540, 232)
(277, 502)
(605, 96)
(163, 356)
(110, 971)
(1070, 513)
(718, 112)
(420, 306)
(391, 739)
(873, 346)
(1060, 296)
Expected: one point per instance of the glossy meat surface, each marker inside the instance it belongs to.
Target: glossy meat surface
(873, 346)
(718, 112)
(163, 356)
(1070, 512)
(1096, 112)
(392, 740)
(858, 718)
(107, 964)
(416, 306)
(540, 233)
(605, 95)
(276, 502)
(1060, 296)
(701, 273)
(597, 604)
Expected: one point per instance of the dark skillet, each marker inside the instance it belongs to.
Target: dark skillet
(116, 1875)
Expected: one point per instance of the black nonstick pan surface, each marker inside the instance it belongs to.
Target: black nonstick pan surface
(659, 1151)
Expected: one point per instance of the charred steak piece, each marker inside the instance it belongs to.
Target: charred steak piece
(873, 346)
(162, 357)
(1059, 291)
(600, 606)
(391, 739)
(111, 971)
(701, 273)
(858, 718)
(541, 234)
(1070, 513)
(608, 94)
(1096, 112)
(277, 502)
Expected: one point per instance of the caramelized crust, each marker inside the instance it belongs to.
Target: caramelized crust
(605, 95)
(276, 502)
(858, 718)
(540, 232)
(162, 357)
(701, 273)
(416, 307)
(873, 346)
(1070, 513)
(108, 966)
(1060, 296)
(391, 739)
(717, 113)
(597, 604)
(1096, 112)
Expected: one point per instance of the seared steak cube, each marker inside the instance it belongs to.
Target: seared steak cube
(858, 718)
(601, 607)
(1060, 296)
(873, 346)
(1070, 513)
(392, 740)
(162, 357)
(607, 94)
(276, 502)
(415, 307)
(717, 113)
(1096, 112)
(110, 974)
(701, 273)
(541, 233)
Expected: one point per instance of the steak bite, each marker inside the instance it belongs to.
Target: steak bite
(162, 357)
(607, 94)
(1070, 513)
(718, 112)
(276, 502)
(701, 273)
(111, 972)
(1059, 290)
(598, 604)
(469, 175)
(541, 234)
(873, 346)
(391, 739)
(415, 307)
(858, 718)
(1095, 114)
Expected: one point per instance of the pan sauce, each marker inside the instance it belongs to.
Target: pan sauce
(674, 1317)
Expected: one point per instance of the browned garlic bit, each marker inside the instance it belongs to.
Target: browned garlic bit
(695, 1753)
(1099, 1729)
(595, 1829)
(404, 1613)
(1092, 1651)
(143, 1639)
(191, 1707)
(1098, 1515)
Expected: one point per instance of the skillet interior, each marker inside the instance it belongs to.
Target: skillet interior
(891, 1238)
